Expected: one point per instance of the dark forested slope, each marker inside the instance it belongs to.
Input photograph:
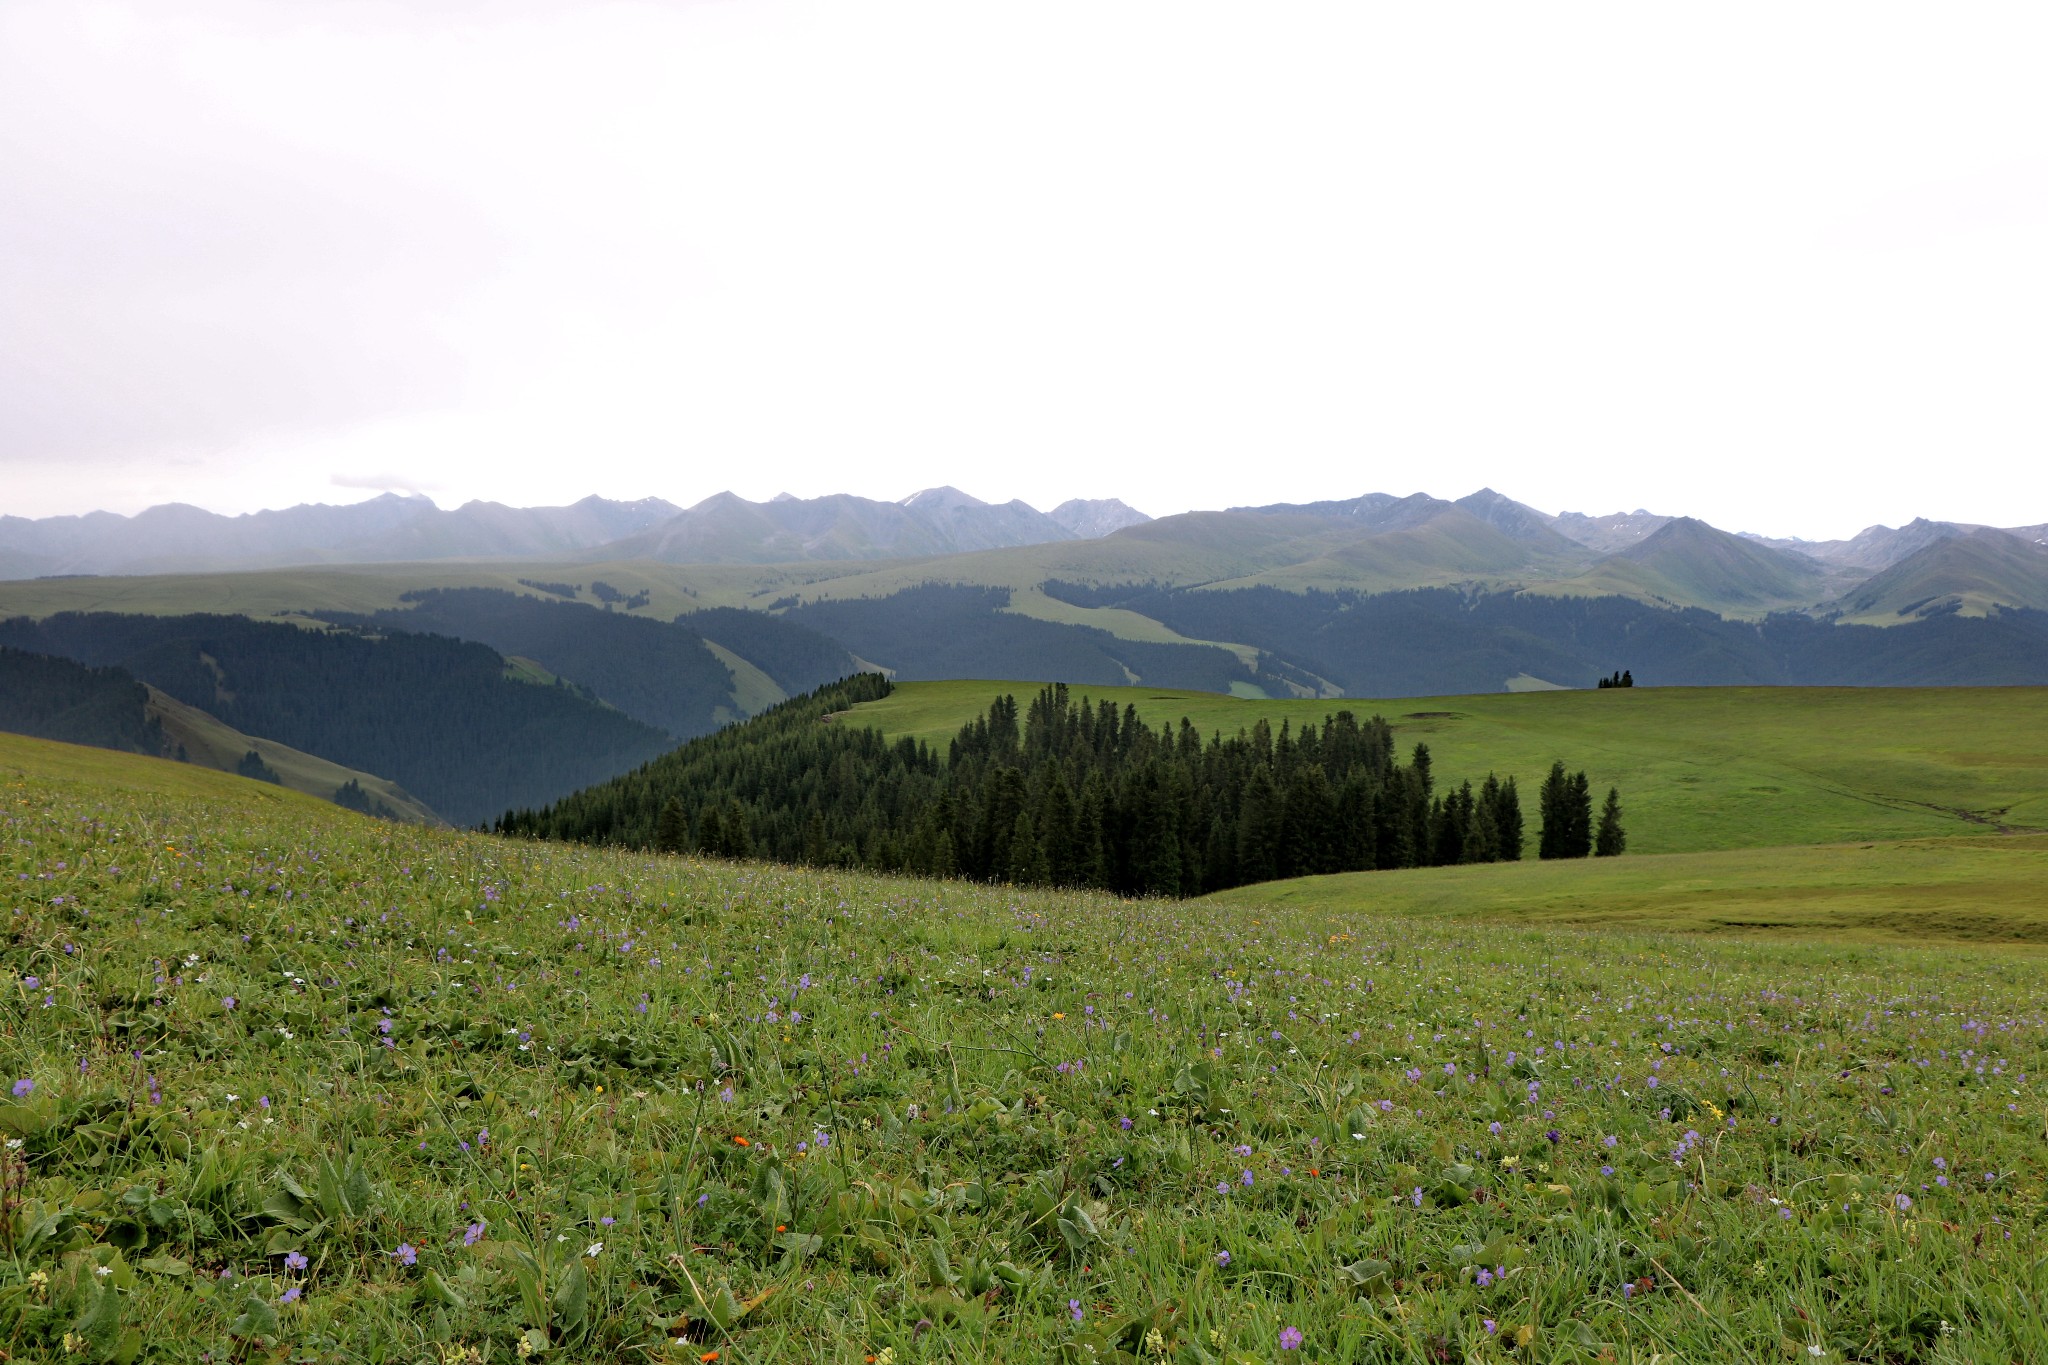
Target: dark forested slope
(436, 715)
(53, 698)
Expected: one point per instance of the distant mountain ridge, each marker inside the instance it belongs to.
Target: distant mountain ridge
(1375, 542)
(390, 528)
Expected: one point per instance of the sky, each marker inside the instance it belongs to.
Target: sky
(1776, 266)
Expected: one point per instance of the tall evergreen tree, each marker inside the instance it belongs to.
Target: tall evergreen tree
(1550, 805)
(1578, 817)
(1610, 839)
(672, 830)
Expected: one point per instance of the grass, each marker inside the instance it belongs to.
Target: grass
(1699, 769)
(1984, 890)
(291, 1084)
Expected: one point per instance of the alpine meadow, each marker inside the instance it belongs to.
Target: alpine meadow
(813, 997)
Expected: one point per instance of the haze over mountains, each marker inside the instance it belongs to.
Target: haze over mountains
(1374, 543)
(390, 528)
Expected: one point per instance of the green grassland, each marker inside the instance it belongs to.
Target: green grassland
(1699, 769)
(290, 1084)
(268, 594)
(1983, 890)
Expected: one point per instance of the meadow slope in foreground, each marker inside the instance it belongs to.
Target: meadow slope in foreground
(290, 1084)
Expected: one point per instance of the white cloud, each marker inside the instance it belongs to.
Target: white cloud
(382, 483)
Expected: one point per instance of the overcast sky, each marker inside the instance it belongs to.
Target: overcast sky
(1777, 265)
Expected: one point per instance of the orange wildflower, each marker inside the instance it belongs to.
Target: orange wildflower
(741, 1141)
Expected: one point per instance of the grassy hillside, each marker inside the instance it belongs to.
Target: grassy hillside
(270, 593)
(289, 1082)
(1984, 890)
(81, 773)
(1971, 575)
(213, 743)
(1699, 768)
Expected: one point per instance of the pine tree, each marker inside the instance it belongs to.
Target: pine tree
(1610, 840)
(1507, 822)
(672, 829)
(1551, 805)
(1578, 818)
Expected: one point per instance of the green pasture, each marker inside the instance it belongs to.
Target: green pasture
(1982, 890)
(1699, 769)
(287, 1084)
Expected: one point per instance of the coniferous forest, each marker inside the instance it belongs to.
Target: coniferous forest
(1063, 792)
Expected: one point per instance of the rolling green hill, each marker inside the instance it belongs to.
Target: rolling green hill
(1984, 890)
(1970, 575)
(1687, 563)
(405, 1093)
(1699, 769)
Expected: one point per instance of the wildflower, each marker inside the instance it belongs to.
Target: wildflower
(472, 1234)
(1075, 1309)
(295, 1260)
(1247, 1178)
(1222, 1258)
(291, 1295)
(1290, 1338)
(23, 1086)
(1490, 1325)
(740, 1141)
(407, 1254)
(595, 1248)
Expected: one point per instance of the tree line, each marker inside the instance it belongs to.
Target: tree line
(1062, 792)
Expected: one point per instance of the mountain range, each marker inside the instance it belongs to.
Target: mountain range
(390, 528)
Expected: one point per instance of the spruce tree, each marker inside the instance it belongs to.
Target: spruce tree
(1610, 840)
(1551, 804)
(672, 829)
(1578, 818)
